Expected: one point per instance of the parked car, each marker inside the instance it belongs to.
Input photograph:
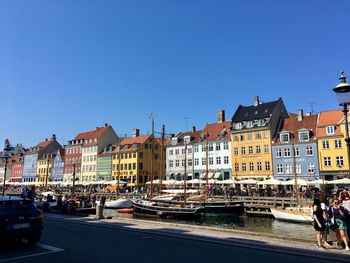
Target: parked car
(20, 219)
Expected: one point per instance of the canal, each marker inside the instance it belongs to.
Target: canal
(246, 223)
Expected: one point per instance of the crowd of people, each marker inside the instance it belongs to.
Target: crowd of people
(332, 215)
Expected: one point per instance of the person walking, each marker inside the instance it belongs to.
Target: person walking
(338, 217)
(319, 223)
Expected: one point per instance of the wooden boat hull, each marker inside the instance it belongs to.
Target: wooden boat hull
(299, 216)
(222, 208)
(157, 211)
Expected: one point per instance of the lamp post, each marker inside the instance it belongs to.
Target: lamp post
(5, 155)
(343, 95)
(73, 186)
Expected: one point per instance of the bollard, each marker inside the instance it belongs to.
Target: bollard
(99, 212)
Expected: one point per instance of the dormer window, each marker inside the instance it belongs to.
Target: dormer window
(187, 139)
(304, 136)
(249, 124)
(95, 140)
(330, 130)
(261, 122)
(174, 141)
(284, 137)
(238, 126)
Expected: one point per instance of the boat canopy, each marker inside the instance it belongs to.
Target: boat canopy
(179, 191)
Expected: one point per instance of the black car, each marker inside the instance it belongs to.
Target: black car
(20, 219)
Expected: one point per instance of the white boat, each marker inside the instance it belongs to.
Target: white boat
(293, 214)
(119, 203)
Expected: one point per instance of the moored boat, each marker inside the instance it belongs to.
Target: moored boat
(295, 214)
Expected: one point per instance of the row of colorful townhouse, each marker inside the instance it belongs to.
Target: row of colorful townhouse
(91, 156)
(261, 141)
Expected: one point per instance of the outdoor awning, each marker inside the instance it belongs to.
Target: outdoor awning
(211, 174)
(247, 181)
(300, 182)
(189, 175)
(202, 176)
(271, 181)
(217, 175)
(339, 181)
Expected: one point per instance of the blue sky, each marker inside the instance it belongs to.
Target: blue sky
(69, 66)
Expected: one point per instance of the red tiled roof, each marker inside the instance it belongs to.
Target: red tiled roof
(97, 133)
(329, 118)
(44, 144)
(196, 137)
(214, 131)
(139, 139)
(293, 125)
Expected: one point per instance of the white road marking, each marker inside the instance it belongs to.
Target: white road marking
(50, 249)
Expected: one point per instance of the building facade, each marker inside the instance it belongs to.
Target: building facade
(294, 149)
(104, 164)
(252, 131)
(57, 170)
(332, 151)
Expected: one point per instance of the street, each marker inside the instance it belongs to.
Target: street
(66, 241)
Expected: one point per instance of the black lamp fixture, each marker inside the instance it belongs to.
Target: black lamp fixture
(342, 91)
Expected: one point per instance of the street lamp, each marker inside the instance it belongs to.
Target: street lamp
(5, 155)
(343, 95)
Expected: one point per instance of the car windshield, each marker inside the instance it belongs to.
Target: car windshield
(16, 205)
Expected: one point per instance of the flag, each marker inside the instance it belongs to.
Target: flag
(150, 116)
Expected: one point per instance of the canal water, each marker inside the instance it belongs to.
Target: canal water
(252, 224)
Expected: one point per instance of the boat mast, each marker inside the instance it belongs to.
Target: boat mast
(295, 175)
(119, 157)
(185, 175)
(161, 160)
(152, 156)
(206, 161)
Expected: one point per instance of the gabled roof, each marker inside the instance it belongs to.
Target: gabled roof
(250, 113)
(97, 133)
(139, 140)
(218, 131)
(43, 144)
(293, 126)
(195, 137)
(329, 118)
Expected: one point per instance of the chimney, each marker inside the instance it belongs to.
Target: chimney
(193, 129)
(135, 133)
(106, 124)
(300, 115)
(53, 138)
(221, 116)
(256, 101)
(46, 139)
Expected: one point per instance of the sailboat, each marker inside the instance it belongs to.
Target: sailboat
(159, 208)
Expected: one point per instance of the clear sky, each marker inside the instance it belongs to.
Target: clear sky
(69, 66)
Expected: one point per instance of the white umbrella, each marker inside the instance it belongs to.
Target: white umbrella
(179, 182)
(318, 181)
(300, 182)
(340, 181)
(169, 182)
(247, 181)
(212, 181)
(229, 181)
(196, 181)
(157, 181)
(271, 181)
(114, 182)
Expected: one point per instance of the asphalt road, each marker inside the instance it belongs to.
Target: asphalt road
(65, 241)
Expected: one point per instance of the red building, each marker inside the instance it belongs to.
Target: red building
(16, 168)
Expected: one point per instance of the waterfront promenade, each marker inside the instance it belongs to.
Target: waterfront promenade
(84, 239)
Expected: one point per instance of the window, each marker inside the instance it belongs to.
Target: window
(177, 163)
(325, 144)
(303, 136)
(141, 166)
(203, 147)
(177, 151)
(330, 130)
(288, 168)
(196, 161)
(251, 166)
(141, 155)
(189, 162)
(287, 152)
(257, 135)
(183, 151)
(189, 150)
(171, 163)
(284, 137)
(327, 161)
(242, 150)
(235, 151)
(249, 124)
(217, 146)
(266, 148)
(244, 167)
(337, 144)
(339, 161)
(236, 167)
(238, 126)
(182, 163)
(218, 160)
(211, 160)
(311, 168)
(258, 149)
(296, 152)
(226, 160)
(204, 161)
(278, 153)
(259, 166)
(250, 149)
(298, 168)
(242, 137)
(195, 148)
(211, 148)
(225, 145)
(250, 136)
(266, 134)
(279, 168)
(309, 151)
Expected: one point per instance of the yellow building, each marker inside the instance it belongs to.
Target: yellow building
(253, 128)
(43, 171)
(132, 160)
(332, 152)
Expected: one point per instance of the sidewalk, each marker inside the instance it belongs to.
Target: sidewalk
(257, 241)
